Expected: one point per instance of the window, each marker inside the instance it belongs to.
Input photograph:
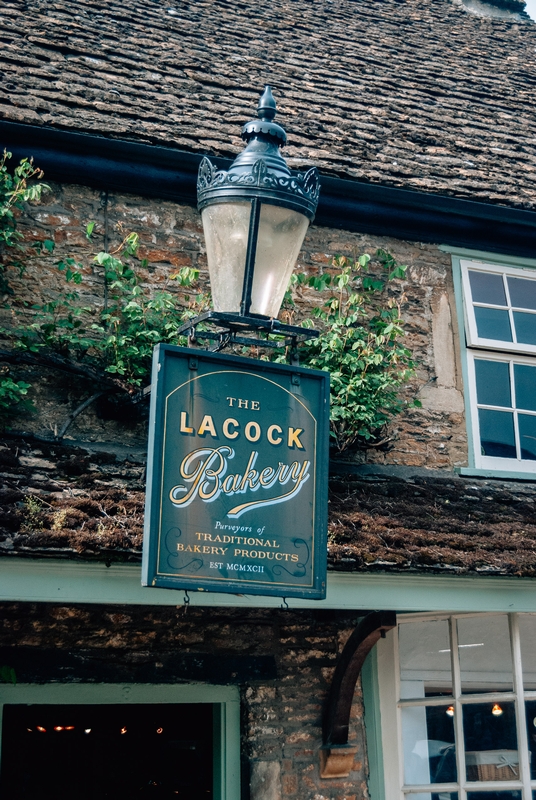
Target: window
(500, 328)
(464, 710)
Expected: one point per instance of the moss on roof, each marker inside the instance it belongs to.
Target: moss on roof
(64, 501)
(408, 93)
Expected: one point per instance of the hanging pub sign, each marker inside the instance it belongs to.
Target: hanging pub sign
(237, 476)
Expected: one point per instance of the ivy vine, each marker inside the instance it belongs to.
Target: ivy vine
(356, 303)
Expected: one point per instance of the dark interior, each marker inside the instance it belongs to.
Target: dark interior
(107, 751)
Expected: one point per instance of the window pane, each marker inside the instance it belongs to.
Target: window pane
(424, 659)
(485, 654)
(527, 635)
(525, 327)
(525, 384)
(490, 742)
(530, 713)
(429, 752)
(493, 383)
(497, 433)
(522, 292)
(492, 323)
(433, 796)
(487, 287)
(527, 436)
(512, 795)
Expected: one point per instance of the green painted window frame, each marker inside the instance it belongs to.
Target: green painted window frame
(457, 255)
(370, 687)
(226, 702)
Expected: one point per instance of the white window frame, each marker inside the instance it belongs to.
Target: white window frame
(495, 462)
(473, 339)
(472, 346)
(388, 673)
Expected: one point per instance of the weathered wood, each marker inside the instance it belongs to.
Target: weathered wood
(337, 711)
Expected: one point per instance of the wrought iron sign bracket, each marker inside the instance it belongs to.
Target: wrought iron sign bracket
(336, 755)
(230, 328)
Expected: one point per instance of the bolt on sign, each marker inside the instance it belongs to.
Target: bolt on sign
(237, 476)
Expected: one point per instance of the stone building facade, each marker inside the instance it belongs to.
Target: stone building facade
(420, 119)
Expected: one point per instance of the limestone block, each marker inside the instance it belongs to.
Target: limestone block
(265, 780)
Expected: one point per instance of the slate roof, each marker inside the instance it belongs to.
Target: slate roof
(87, 502)
(420, 94)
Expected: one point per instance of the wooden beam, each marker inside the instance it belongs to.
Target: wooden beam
(336, 755)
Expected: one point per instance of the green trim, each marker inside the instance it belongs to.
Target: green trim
(44, 581)
(489, 258)
(225, 698)
(371, 703)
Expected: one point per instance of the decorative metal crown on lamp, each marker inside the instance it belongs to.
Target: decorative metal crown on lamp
(255, 217)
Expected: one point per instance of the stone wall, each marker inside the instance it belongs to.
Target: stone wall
(171, 237)
(282, 661)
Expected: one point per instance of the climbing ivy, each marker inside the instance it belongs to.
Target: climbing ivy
(356, 304)
(361, 344)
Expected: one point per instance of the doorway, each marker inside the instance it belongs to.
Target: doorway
(114, 741)
(107, 751)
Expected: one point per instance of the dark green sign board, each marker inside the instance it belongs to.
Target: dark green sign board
(237, 476)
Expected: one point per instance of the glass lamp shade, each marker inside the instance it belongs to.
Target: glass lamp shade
(280, 237)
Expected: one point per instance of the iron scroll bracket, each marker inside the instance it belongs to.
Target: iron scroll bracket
(336, 755)
(229, 329)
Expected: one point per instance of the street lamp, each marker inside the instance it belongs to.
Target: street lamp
(255, 217)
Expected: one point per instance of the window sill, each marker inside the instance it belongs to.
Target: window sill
(497, 473)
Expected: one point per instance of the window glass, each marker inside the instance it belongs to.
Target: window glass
(484, 653)
(493, 323)
(490, 739)
(527, 636)
(527, 436)
(487, 287)
(512, 795)
(525, 325)
(530, 715)
(493, 382)
(425, 660)
(522, 292)
(497, 437)
(429, 750)
(525, 386)
(434, 796)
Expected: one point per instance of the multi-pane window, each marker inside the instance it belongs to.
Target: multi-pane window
(500, 324)
(466, 690)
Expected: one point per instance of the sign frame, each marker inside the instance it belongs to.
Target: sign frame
(170, 360)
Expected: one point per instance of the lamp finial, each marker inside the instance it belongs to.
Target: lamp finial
(267, 108)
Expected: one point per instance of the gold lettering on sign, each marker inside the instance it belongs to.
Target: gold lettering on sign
(226, 428)
(205, 475)
(232, 428)
(207, 426)
(270, 435)
(240, 402)
(293, 437)
(184, 423)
